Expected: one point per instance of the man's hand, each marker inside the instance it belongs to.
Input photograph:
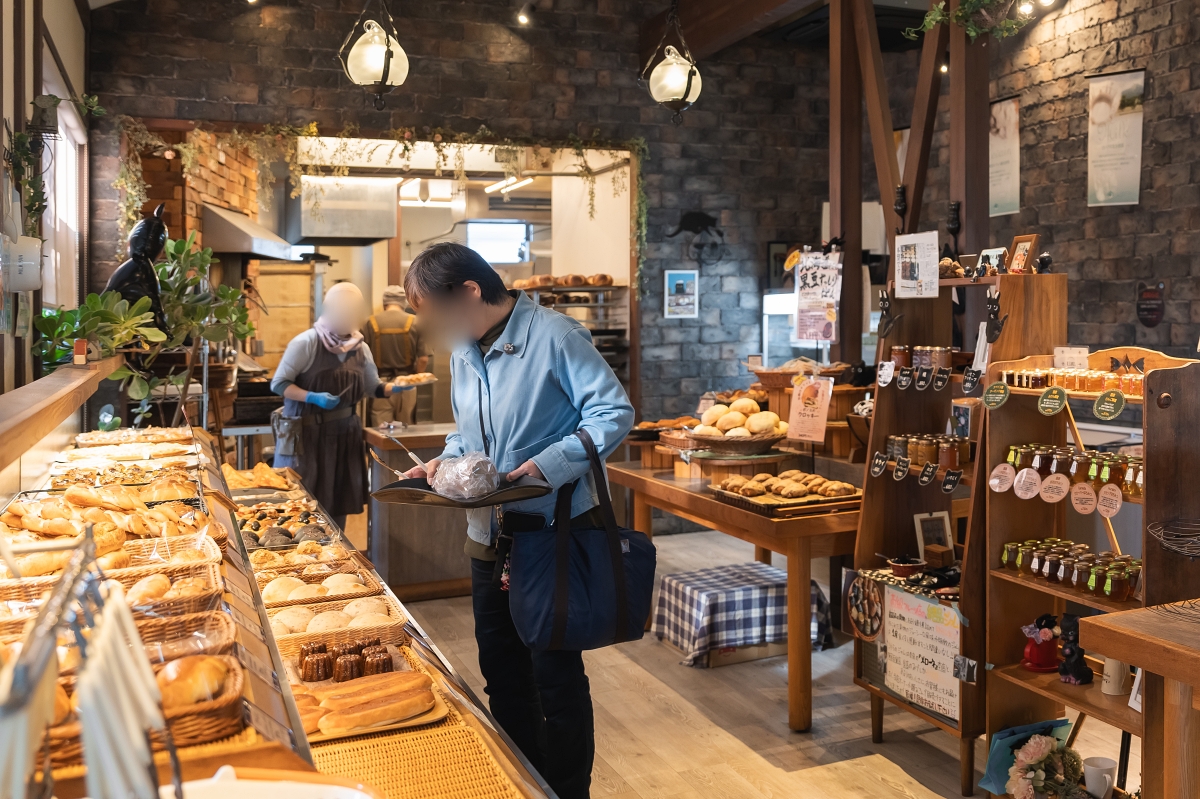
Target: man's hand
(428, 472)
(527, 468)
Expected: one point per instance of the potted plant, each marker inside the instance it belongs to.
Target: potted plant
(976, 17)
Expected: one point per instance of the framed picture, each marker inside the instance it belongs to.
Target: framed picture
(1023, 254)
(996, 256)
(933, 528)
(777, 276)
(681, 293)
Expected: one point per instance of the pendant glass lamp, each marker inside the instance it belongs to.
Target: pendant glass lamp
(371, 56)
(674, 81)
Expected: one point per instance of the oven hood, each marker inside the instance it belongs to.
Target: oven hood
(227, 231)
(347, 211)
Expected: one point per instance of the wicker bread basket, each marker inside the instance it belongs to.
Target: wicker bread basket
(373, 588)
(335, 567)
(759, 444)
(205, 722)
(211, 633)
(289, 645)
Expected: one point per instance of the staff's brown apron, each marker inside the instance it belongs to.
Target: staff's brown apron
(330, 459)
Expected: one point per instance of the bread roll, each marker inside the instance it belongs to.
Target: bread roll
(752, 489)
(265, 558)
(308, 591)
(329, 620)
(347, 588)
(789, 474)
(707, 430)
(62, 705)
(359, 607)
(278, 629)
(308, 548)
(298, 559)
(744, 405)
(793, 490)
(341, 579)
(763, 422)
(192, 679)
(166, 488)
(734, 482)
(714, 413)
(333, 552)
(600, 280)
(278, 589)
(186, 586)
(738, 432)
(119, 559)
(388, 710)
(148, 589)
(781, 428)
(730, 420)
(370, 620)
(188, 556)
(572, 280)
(296, 619)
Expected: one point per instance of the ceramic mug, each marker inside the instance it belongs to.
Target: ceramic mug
(1116, 678)
(1098, 776)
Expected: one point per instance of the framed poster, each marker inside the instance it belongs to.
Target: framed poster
(996, 256)
(1022, 258)
(810, 408)
(922, 639)
(1115, 137)
(1004, 158)
(917, 265)
(933, 528)
(681, 293)
(818, 292)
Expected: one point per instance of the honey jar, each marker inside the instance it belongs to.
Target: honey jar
(1065, 567)
(1036, 562)
(1111, 380)
(1080, 464)
(1051, 566)
(1116, 585)
(947, 455)
(1095, 381)
(1079, 575)
(1008, 558)
(964, 450)
(1024, 556)
(1041, 462)
(1096, 580)
(901, 355)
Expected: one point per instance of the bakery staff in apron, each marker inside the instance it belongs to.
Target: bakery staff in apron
(396, 343)
(323, 374)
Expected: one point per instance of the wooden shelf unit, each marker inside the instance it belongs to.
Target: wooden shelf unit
(1016, 696)
(1036, 307)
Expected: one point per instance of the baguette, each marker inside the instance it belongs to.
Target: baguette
(310, 718)
(374, 714)
(413, 678)
(376, 692)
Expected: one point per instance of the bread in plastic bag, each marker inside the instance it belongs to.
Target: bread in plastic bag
(466, 477)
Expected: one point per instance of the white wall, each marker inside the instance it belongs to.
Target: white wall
(64, 26)
(582, 245)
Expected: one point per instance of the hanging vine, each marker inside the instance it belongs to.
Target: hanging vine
(280, 144)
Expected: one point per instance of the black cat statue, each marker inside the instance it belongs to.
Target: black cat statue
(136, 277)
(1073, 669)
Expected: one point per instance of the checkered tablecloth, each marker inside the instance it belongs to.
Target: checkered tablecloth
(726, 606)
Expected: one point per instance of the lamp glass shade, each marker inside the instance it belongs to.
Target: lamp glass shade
(364, 62)
(669, 80)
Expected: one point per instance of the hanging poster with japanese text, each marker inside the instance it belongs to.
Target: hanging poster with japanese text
(1004, 154)
(922, 641)
(818, 292)
(917, 265)
(810, 408)
(1115, 137)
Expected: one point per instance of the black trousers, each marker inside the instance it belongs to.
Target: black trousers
(541, 699)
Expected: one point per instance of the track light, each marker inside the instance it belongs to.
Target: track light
(495, 187)
(517, 185)
(525, 15)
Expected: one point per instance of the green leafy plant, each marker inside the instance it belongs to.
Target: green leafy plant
(976, 17)
(107, 321)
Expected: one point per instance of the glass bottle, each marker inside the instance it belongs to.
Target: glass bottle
(1041, 462)
(1024, 555)
(1095, 583)
(1024, 458)
(1036, 561)
(1051, 566)
(1116, 586)
(1080, 465)
(1012, 455)
(1008, 558)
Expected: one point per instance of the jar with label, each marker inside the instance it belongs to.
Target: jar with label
(1111, 380)
(1135, 579)
(1051, 565)
(913, 452)
(1008, 558)
(1080, 464)
(1012, 455)
(1041, 462)
(1133, 474)
(1095, 381)
(1036, 561)
(1024, 556)
(1024, 458)
(1116, 474)
(1095, 584)
(1080, 575)
(1008, 377)
(901, 355)
(1100, 470)
(929, 450)
(1080, 549)
(1132, 385)
(947, 455)
(1037, 379)
(964, 450)
(1116, 585)
(1065, 567)
(920, 357)
(942, 357)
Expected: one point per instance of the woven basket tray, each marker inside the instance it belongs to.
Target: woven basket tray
(153, 556)
(206, 722)
(723, 445)
(219, 632)
(289, 645)
(679, 439)
(368, 578)
(335, 567)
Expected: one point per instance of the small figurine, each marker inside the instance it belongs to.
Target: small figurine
(136, 277)
(886, 322)
(995, 325)
(985, 267)
(1045, 262)
(861, 374)
(1041, 653)
(949, 268)
(1074, 669)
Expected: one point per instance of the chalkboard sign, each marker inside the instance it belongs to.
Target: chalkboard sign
(901, 470)
(941, 378)
(924, 378)
(928, 472)
(878, 464)
(971, 380)
(922, 639)
(950, 481)
(905, 378)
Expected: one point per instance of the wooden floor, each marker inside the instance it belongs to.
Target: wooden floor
(666, 730)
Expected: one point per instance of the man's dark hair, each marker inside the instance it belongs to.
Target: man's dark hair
(443, 266)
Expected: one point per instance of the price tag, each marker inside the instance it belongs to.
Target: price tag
(256, 664)
(1083, 498)
(995, 395)
(901, 470)
(878, 464)
(1070, 357)
(1109, 501)
(905, 378)
(950, 481)
(941, 378)
(234, 556)
(1109, 405)
(885, 372)
(247, 623)
(1055, 488)
(1002, 478)
(924, 378)
(1028, 484)
(239, 593)
(267, 724)
(971, 379)
(928, 472)
(1052, 401)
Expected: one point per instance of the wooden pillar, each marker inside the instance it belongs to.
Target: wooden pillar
(845, 173)
(1181, 743)
(969, 135)
(396, 246)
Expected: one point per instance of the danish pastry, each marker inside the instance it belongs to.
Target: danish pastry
(793, 491)
(752, 489)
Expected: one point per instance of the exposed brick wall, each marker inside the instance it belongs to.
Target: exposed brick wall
(752, 153)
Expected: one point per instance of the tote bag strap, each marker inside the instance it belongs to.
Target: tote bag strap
(562, 564)
(613, 534)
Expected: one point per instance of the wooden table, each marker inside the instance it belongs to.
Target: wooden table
(1169, 646)
(799, 538)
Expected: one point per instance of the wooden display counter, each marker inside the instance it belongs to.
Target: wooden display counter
(799, 538)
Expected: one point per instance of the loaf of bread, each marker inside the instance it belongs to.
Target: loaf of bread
(737, 432)
(600, 280)
(730, 420)
(167, 488)
(119, 559)
(304, 700)
(278, 589)
(148, 589)
(387, 710)
(370, 620)
(310, 718)
(186, 586)
(296, 619)
(192, 679)
(369, 689)
(745, 405)
(761, 422)
(714, 413)
(327, 621)
(308, 591)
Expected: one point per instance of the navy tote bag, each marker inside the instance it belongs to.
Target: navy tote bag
(577, 589)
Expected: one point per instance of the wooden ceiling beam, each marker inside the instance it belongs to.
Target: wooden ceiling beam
(920, 137)
(710, 26)
(879, 110)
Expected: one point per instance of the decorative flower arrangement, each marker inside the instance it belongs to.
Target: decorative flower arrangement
(1046, 769)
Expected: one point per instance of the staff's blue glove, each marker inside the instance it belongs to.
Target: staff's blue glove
(397, 389)
(322, 399)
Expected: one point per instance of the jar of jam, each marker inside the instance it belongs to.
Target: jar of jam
(1024, 556)
(947, 455)
(1135, 580)
(1095, 583)
(1111, 380)
(1024, 458)
(1065, 568)
(1080, 574)
(1008, 558)
(901, 355)
(1037, 379)
(964, 450)
(1051, 566)
(1116, 585)
(1080, 464)
(1041, 462)
(1036, 561)
(1009, 377)
(943, 357)
(1095, 381)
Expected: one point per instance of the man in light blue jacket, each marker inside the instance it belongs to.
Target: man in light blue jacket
(525, 378)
